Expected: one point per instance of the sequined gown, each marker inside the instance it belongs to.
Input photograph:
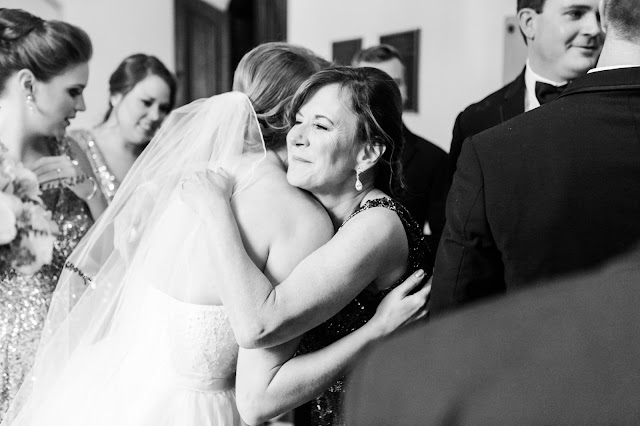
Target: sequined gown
(326, 409)
(107, 182)
(24, 300)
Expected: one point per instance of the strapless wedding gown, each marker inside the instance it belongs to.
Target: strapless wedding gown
(185, 379)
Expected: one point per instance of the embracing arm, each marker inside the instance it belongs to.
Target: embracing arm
(323, 283)
(270, 382)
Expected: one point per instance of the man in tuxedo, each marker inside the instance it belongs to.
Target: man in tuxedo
(562, 353)
(424, 164)
(563, 40)
(552, 191)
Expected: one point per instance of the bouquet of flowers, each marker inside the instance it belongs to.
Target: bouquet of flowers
(27, 232)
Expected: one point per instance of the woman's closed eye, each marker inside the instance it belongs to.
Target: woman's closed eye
(74, 93)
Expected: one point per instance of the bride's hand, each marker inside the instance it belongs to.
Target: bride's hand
(216, 183)
(400, 308)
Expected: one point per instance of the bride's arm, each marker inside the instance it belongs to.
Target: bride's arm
(371, 244)
(269, 382)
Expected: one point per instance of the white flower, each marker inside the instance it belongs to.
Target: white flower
(8, 228)
(36, 243)
(25, 184)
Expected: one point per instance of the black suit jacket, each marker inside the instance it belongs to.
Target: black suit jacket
(495, 109)
(425, 168)
(547, 193)
(562, 353)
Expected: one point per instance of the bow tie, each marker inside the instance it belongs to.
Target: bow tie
(547, 92)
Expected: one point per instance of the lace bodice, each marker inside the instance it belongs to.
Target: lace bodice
(203, 349)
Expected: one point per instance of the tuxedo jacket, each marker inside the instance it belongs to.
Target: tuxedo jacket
(550, 192)
(425, 167)
(560, 353)
(495, 109)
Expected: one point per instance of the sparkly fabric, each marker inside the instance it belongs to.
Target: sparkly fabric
(24, 300)
(326, 409)
(108, 184)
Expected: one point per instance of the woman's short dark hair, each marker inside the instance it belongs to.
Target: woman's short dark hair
(376, 101)
(46, 48)
(135, 68)
(269, 75)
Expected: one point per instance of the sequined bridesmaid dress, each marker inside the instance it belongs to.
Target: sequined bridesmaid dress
(24, 300)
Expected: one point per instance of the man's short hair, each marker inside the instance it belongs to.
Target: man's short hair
(376, 54)
(536, 5)
(623, 17)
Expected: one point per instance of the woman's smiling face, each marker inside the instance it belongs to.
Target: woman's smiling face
(321, 144)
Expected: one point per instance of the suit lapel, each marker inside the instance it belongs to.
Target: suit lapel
(513, 99)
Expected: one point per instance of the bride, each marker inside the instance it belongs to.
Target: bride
(148, 341)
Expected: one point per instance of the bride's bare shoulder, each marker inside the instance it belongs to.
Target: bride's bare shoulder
(273, 202)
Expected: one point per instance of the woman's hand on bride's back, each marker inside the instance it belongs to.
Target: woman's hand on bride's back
(399, 307)
(216, 183)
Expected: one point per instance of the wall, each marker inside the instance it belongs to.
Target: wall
(461, 47)
(117, 29)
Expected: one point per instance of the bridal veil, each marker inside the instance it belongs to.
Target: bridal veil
(103, 316)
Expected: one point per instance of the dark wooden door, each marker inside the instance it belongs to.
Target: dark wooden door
(202, 50)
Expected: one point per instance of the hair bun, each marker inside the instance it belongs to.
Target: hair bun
(16, 24)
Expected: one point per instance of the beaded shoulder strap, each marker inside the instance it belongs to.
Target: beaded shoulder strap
(376, 202)
(107, 181)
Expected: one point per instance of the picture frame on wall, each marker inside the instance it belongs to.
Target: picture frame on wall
(408, 44)
(343, 51)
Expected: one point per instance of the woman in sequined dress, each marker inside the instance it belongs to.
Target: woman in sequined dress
(43, 71)
(344, 144)
(142, 93)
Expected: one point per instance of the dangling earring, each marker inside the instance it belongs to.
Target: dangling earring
(30, 103)
(358, 183)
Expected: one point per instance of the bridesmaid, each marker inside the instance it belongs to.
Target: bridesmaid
(142, 93)
(43, 72)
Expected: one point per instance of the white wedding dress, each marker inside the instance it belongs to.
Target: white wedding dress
(179, 368)
(136, 335)
(195, 386)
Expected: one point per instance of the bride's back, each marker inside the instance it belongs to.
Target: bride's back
(279, 224)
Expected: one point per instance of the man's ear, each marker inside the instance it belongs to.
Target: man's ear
(369, 155)
(602, 10)
(527, 22)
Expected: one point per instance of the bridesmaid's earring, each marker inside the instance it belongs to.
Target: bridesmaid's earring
(358, 183)
(30, 103)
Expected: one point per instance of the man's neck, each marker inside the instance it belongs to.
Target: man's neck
(617, 52)
(542, 73)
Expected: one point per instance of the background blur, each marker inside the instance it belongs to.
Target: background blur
(464, 49)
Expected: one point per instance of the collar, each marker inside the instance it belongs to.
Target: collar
(619, 78)
(611, 67)
(530, 79)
